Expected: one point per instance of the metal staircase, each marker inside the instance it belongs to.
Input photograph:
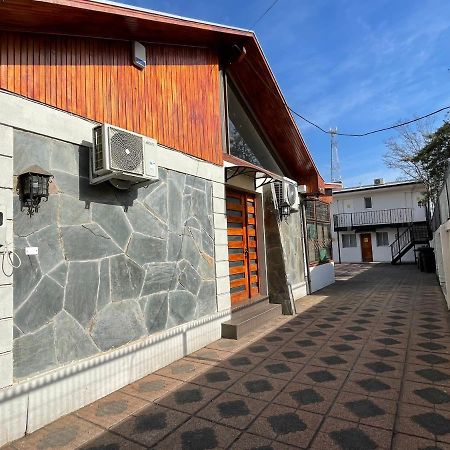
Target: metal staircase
(413, 235)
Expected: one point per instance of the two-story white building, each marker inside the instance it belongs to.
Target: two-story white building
(383, 222)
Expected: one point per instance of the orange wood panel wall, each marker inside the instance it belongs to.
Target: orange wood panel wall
(175, 100)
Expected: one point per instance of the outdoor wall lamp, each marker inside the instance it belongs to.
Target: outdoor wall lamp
(32, 186)
(285, 210)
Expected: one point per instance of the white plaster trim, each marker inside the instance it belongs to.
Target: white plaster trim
(47, 397)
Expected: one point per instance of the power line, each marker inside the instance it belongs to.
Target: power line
(367, 133)
(265, 13)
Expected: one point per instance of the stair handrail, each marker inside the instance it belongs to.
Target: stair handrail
(405, 237)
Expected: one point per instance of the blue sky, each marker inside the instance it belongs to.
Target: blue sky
(354, 64)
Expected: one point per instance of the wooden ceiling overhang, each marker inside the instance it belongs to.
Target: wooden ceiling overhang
(251, 74)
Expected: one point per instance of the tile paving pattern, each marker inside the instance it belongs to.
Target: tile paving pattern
(364, 365)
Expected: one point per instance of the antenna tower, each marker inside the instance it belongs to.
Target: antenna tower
(335, 164)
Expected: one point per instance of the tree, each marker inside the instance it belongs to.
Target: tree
(433, 157)
(421, 154)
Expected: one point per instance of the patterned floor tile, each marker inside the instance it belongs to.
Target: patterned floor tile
(433, 424)
(188, 398)
(151, 387)
(199, 434)
(233, 410)
(287, 425)
(70, 432)
(322, 376)
(338, 434)
(406, 442)
(379, 367)
(375, 386)
(286, 370)
(428, 395)
(111, 409)
(310, 398)
(183, 370)
(111, 441)
(217, 378)
(372, 411)
(258, 386)
(150, 425)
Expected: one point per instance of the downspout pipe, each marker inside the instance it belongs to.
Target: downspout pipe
(305, 245)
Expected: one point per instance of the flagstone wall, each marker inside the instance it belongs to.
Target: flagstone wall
(113, 266)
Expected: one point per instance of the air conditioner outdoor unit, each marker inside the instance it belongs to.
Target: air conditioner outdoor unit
(286, 192)
(124, 158)
(378, 181)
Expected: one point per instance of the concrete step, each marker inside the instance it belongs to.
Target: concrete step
(246, 319)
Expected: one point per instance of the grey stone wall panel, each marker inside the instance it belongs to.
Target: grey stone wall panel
(117, 324)
(34, 352)
(120, 264)
(41, 306)
(81, 290)
(71, 340)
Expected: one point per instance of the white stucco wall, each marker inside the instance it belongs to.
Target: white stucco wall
(380, 254)
(321, 276)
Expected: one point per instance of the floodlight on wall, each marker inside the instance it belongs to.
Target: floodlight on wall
(32, 186)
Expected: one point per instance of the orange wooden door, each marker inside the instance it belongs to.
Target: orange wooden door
(366, 247)
(242, 246)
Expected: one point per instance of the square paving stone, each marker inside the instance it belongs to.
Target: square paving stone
(151, 387)
(188, 398)
(432, 346)
(428, 374)
(258, 386)
(285, 370)
(233, 410)
(310, 398)
(249, 441)
(392, 332)
(350, 337)
(274, 339)
(67, 433)
(199, 434)
(338, 434)
(372, 385)
(111, 441)
(330, 378)
(372, 411)
(427, 395)
(287, 425)
(308, 344)
(209, 356)
(429, 358)
(183, 369)
(390, 369)
(431, 335)
(111, 409)
(406, 442)
(150, 425)
(315, 333)
(217, 378)
(391, 342)
(333, 360)
(241, 362)
(429, 423)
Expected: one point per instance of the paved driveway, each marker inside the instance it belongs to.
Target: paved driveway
(364, 365)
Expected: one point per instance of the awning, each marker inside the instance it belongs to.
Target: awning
(260, 176)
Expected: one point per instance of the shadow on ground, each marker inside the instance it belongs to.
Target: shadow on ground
(364, 365)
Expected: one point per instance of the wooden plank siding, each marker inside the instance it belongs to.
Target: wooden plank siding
(175, 100)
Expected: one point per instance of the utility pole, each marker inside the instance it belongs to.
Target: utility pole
(335, 164)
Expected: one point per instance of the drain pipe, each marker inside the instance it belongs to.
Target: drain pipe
(305, 244)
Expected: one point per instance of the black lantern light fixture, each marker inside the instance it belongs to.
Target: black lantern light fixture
(32, 185)
(285, 210)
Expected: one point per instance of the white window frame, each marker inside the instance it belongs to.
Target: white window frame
(365, 202)
(351, 243)
(381, 242)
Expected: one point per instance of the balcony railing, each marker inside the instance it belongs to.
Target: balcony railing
(373, 217)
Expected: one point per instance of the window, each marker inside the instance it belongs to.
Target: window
(382, 239)
(368, 202)
(348, 240)
(245, 140)
(318, 232)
